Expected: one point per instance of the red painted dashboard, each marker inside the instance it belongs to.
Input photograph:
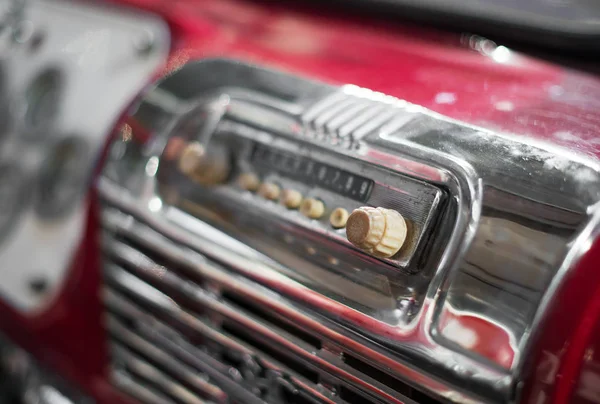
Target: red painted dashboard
(463, 76)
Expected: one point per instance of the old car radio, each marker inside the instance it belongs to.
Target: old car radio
(235, 187)
(238, 202)
(303, 192)
(303, 186)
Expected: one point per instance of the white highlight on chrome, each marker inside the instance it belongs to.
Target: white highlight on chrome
(501, 54)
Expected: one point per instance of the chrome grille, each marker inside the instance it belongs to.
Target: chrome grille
(185, 329)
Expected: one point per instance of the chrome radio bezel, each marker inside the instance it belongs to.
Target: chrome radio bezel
(419, 202)
(503, 190)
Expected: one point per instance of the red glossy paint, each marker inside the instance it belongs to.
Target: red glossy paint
(464, 77)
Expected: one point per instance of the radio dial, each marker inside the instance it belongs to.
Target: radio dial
(380, 232)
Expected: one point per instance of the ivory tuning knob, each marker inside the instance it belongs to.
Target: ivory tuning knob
(269, 190)
(248, 181)
(205, 166)
(338, 218)
(378, 231)
(291, 198)
(312, 208)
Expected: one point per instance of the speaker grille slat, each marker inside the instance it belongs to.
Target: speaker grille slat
(138, 389)
(125, 344)
(182, 330)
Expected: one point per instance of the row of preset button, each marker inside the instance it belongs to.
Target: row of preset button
(378, 231)
(312, 208)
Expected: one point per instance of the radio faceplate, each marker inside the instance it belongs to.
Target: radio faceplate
(319, 174)
(492, 220)
(313, 251)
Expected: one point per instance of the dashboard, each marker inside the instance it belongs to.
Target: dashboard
(248, 202)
